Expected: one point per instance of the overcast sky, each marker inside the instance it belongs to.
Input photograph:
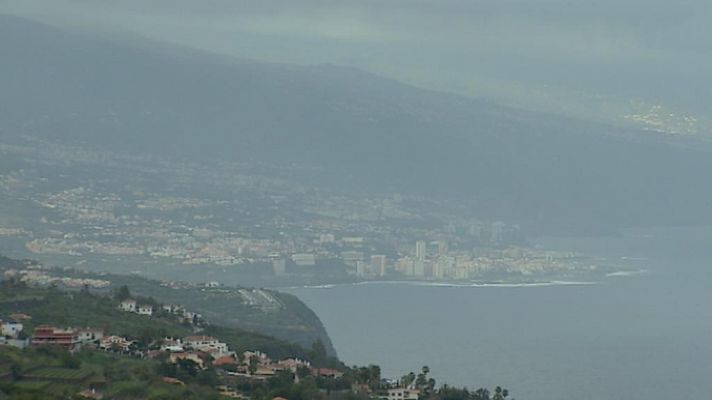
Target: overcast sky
(584, 57)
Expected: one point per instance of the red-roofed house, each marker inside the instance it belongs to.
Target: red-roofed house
(49, 335)
(224, 360)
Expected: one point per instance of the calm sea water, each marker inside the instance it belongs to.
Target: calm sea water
(642, 337)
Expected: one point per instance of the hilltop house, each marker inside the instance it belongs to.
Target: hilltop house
(173, 309)
(145, 309)
(128, 305)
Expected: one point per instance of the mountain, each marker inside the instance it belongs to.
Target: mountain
(357, 132)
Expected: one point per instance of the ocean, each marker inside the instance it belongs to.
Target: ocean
(645, 335)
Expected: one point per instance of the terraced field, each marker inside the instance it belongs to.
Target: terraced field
(60, 374)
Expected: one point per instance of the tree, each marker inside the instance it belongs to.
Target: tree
(188, 366)
(318, 353)
(407, 380)
(449, 393)
(122, 293)
(207, 377)
(303, 371)
(500, 394)
(481, 394)
(253, 363)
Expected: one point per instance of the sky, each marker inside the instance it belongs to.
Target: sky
(606, 60)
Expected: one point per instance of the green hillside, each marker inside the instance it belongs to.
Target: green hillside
(84, 309)
(285, 317)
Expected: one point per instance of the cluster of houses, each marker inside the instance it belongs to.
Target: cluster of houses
(34, 276)
(183, 315)
(130, 305)
(71, 339)
(207, 350)
(202, 350)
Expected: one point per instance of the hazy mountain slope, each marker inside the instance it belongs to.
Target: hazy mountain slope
(363, 132)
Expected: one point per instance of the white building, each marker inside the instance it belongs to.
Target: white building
(172, 345)
(421, 250)
(10, 329)
(173, 309)
(145, 309)
(128, 305)
(90, 335)
(400, 394)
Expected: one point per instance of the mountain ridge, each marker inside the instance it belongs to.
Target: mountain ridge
(362, 132)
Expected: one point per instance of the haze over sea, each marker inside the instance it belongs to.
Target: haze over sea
(643, 336)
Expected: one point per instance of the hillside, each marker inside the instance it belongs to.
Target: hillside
(50, 372)
(357, 132)
(81, 309)
(147, 370)
(285, 318)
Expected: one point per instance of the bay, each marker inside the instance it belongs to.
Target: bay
(642, 336)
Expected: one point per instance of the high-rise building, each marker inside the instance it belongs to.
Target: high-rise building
(404, 265)
(421, 250)
(378, 264)
(442, 248)
(361, 269)
(419, 268)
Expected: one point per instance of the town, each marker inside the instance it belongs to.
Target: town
(266, 231)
